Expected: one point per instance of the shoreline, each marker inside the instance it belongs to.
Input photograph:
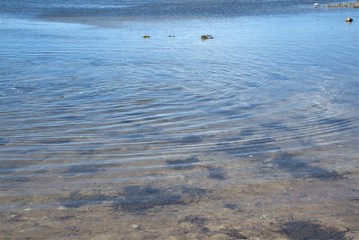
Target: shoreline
(344, 5)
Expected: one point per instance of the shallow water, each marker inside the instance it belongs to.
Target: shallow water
(250, 134)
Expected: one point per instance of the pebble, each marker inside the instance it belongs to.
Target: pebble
(220, 236)
(136, 226)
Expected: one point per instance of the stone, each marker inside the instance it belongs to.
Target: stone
(136, 226)
(206, 37)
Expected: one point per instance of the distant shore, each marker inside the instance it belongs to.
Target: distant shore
(344, 5)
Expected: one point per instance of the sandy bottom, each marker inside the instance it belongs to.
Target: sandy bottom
(271, 196)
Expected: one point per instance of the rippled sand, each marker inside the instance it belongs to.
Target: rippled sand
(279, 195)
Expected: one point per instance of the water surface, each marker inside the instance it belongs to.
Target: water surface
(175, 136)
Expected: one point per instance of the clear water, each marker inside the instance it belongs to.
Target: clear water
(86, 102)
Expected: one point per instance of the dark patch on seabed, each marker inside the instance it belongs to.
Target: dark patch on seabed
(199, 223)
(55, 141)
(216, 173)
(76, 200)
(335, 122)
(306, 230)
(231, 206)
(276, 126)
(14, 218)
(12, 182)
(182, 164)
(3, 142)
(300, 169)
(247, 132)
(195, 219)
(192, 139)
(235, 234)
(252, 147)
(139, 199)
(238, 112)
(84, 168)
(10, 166)
(15, 179)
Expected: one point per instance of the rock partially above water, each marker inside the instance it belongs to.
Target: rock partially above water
(206, 37)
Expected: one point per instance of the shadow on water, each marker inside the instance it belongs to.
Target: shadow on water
(182, 164)
(300, 169)
(302, 230)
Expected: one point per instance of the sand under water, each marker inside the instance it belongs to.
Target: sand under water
(104, 134)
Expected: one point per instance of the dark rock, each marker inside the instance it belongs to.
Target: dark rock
(206, 37)
(310, 230)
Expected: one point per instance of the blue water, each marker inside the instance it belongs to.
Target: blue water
(84, 98)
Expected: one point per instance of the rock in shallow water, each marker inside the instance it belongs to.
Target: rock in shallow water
(206, 37)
